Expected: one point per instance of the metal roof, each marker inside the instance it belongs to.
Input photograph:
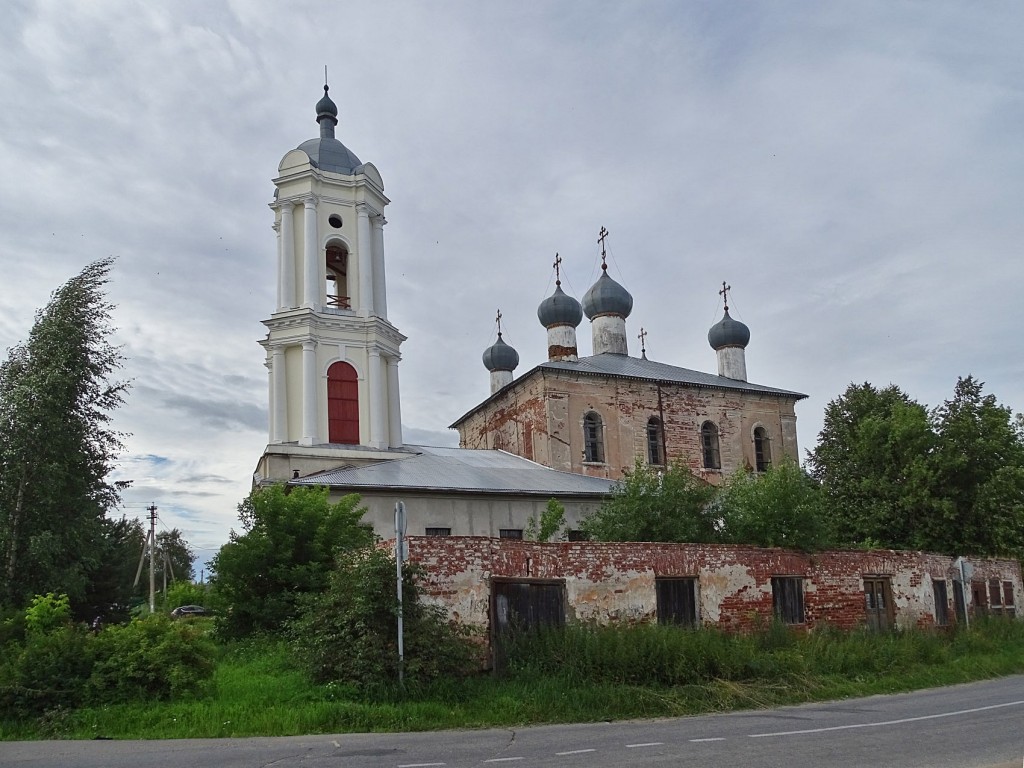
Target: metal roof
(624, 366)
(609, 364)
(462, 470)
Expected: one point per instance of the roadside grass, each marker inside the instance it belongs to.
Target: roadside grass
(582, 674)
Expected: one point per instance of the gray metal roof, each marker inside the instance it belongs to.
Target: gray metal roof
(462, 470)
(329, 154)
(623, 366)
(637, 368)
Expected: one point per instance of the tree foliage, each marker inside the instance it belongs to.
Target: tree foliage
(650, 505)
(288, 548)
(895, 475)
(179, 555)
(348, 633)
(777, 508)
(56, 444)
(551, 521)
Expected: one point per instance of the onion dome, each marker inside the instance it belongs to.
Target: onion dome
(500, 356)
(606, 297)
(728, 333)
(326, 152)
(559, 309)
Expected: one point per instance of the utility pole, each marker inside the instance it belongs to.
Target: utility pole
(150, 545)
(152, 558)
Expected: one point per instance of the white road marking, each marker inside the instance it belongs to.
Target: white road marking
(419, 765)
(717, 738)
(888, 722)
(503, 759)
(574, 752)
(647, 744)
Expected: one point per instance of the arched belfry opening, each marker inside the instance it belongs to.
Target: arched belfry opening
(337, 291)
(342, 404)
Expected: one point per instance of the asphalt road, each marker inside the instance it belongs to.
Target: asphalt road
(967, 726)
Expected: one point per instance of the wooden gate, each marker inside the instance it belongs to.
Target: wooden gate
(878, 602)
(518, 607)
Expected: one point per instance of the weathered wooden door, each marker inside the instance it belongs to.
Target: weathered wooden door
(878, 602)
(677, 601)
(523, 606)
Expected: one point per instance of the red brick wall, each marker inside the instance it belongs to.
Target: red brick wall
(615, 581)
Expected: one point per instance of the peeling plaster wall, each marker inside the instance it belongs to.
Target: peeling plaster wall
(615, 582)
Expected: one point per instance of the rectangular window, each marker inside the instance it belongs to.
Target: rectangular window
(438, 532)
(788, 598)
(510, 533)
(941, 603)
(677, 601)
(577, 535)
(1008, 606)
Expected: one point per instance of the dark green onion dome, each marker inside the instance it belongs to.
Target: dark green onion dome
(326, 152)
(559, 309)
(500, 357)
(606, 297)
(728, 333)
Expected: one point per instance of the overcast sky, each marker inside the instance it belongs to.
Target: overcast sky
(855, 171)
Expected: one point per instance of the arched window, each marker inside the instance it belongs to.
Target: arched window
(654, 441)
(762, 450)
(342, 404)
(337, 276)
(593, 438)
(709, 445)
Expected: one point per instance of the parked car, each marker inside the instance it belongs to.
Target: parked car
(190, 610)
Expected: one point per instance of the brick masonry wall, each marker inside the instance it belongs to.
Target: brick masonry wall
(615, 582)
(541, 418)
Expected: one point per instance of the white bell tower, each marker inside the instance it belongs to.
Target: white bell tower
(331, 352)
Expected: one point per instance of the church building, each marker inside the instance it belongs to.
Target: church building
(600, 414)
(332, 357)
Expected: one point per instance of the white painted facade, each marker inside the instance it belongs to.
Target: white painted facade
(331, 306)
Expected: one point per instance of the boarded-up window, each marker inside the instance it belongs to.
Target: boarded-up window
(762, 450)
(677, 601)
(788, 598)
(510, 533)
(709, 446)
(878, 602)
(941, 603)
(343, 404)
(593, 438)
(654, 441)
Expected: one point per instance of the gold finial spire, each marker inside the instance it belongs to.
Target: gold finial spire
(724, 293)
(604, 256)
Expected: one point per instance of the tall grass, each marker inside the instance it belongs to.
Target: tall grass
(579, 674)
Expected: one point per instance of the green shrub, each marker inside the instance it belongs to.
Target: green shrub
(152, 658)
(46, 671)
(47, 612)
(348, 634)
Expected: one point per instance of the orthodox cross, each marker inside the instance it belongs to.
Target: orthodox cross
(603, 234)
(643, 343)
(498, 320)
(724, 293)
(558, 269)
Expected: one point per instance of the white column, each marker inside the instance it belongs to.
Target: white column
(287, 235)
(278, 397)
(270, 396)
(309, 387)
(364, 308)
(310, 268)
(276, 226)
(380, 299)
(375, 387)
(394, 405)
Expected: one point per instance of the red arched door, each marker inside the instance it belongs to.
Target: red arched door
(342, 404)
